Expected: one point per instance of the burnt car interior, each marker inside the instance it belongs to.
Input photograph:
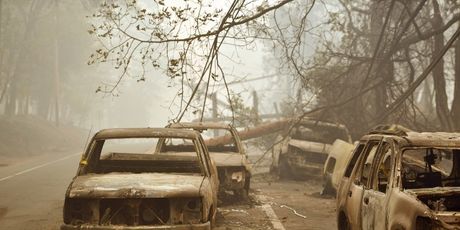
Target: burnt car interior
(134, 159)
(159, 163)
(430, 167)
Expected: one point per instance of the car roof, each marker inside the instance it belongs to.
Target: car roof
(434, 139)
(199, 125)
(424, 139)
(145, 132)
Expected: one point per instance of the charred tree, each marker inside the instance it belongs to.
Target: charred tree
(442, 109)
(56, 65)
(376, 24)
(455, 110)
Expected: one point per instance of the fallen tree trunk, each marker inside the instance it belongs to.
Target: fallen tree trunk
(253, 132)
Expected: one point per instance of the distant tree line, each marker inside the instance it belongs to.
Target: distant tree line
(44, 48)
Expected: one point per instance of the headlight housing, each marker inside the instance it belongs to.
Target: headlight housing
(79, 211)
(187, 210)
(423, 223)
(238, 176)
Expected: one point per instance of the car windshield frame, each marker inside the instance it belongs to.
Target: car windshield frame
(90, 161)
(233, 135)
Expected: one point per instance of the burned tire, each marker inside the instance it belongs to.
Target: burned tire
(343, 222)
(284, 170)
(327, 188)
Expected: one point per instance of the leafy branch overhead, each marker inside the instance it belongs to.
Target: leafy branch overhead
(180, 38)
(367, 53)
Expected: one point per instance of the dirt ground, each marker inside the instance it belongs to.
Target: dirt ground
(296, 205)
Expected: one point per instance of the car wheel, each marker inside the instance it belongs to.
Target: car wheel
(327, 188)
(343, 222)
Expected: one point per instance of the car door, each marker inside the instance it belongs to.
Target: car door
(356, 189)
(374, 195)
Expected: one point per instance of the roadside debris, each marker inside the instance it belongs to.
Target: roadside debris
(225, 211)
(293, 210)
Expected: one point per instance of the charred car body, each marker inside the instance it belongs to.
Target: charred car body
(303, 152)
(120, 186)
(227, 151)
(335, 165)
(402, 180)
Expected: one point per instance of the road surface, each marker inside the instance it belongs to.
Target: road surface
(32, 192)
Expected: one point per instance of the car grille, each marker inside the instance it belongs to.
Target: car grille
(127, 212)
(308, 157)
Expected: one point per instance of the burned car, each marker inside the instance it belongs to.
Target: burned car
(303, 152)
(334, 167)
(119, 185)
(402, 180)
(227, 151)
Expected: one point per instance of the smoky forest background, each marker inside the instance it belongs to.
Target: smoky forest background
(114, 63)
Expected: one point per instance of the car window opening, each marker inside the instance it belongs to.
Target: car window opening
(430, 167)
(137, 155)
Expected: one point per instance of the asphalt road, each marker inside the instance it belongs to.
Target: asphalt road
(32, 192)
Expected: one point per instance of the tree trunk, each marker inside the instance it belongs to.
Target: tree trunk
(10, 109)
(442, 109)
(253, 132)
(455, 110)
(380, 96)
(26, 108)
(56, 65)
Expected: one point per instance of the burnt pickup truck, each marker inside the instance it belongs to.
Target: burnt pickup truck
(226, 149)
(119, 185)
(303, 152)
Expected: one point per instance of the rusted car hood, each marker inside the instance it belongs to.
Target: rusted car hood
(228, 159)
(130, 185)
(310, 146)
